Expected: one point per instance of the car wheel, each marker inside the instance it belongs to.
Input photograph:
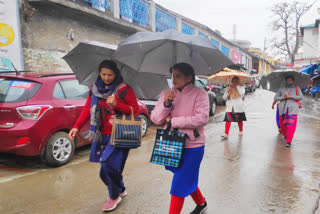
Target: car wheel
(144, 125)
(213, 108)
(59, 149)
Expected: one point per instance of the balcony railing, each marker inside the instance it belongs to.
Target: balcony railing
(202, 34)
(164, 21)
(99, 4)
(136, 11)
(187, 29)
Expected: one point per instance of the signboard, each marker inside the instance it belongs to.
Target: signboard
(11, 57)
(236, 56)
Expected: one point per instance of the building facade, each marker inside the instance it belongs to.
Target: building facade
(310, 45)
(51, 28)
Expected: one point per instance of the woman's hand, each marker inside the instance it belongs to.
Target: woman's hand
(287, 96)
(111, 100)
(73, 132)
(168, 118)
(169, 97)
(229, 91)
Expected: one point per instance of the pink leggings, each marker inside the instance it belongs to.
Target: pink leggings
(228, 125)
(288, 126)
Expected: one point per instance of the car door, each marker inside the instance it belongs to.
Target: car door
(70, 96)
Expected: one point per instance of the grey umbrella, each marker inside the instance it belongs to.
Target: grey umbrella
(84, 61)
(85, 58)
(277, 79)
(157, 52)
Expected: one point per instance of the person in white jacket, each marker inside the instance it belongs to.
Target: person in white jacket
(234, 106)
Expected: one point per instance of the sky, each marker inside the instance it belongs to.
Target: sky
(252, 17)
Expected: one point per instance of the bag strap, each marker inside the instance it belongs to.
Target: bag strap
(132, 115)
(296, 90)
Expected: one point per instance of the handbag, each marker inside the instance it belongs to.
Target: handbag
(126, 131)
(298, 101)
(168, 147)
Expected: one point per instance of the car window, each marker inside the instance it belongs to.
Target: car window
(73, 90)
(200, 84)
(13, 91)
(205, 81)
(57, 92)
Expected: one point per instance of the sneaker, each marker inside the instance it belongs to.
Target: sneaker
(123, 194)
(288, 144)
(240, 133)
(225, 136)
(111, 204)
(200, 209)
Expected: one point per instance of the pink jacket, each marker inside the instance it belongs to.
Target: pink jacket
(189, 111)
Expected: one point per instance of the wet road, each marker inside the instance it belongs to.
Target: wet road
(254, 173)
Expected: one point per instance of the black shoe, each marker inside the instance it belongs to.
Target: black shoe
(288, 145)
(200, 209)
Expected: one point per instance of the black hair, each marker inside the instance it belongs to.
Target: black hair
(235, 78)
(290, 77)
(109, 64)
(186, 69)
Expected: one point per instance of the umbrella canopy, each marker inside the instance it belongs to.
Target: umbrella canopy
(157, 52)
(85, 58)
(277, 79)
(225, 77)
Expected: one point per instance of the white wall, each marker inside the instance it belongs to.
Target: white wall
(311, 43)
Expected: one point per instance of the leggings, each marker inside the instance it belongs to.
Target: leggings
(176, 203)
(228, 125)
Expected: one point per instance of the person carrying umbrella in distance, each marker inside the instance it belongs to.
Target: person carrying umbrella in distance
(290, 98)
(186, 107)
(233, 96)
(109, 95)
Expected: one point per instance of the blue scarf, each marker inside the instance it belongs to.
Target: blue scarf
(100, 92)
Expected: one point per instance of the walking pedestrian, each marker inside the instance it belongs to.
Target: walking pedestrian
(234, 106)
(187, 107)
(109, 96)
(290, 98)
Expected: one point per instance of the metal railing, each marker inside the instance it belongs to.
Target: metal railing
(225, 50)
(136, 11)
(164, 21)
(98, 4)
(202, 34)
(215, 42)
(187, 29)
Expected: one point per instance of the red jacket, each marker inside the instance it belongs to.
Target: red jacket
(125, 98)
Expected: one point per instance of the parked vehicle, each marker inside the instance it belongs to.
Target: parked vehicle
(251, 86)
(257, 80)
(212, 96)
(38, 110)
(215, 88)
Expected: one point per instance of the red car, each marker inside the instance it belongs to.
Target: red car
(37, 112)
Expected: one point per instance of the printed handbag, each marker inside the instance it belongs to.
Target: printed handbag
(298, 101)
(126, 132)
(168, 147)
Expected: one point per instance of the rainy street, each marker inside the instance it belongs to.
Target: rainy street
(254, 173)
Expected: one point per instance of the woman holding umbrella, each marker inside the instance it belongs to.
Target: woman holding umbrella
(109, 95)
(234, 106)
(290, 97)
(186, 107)
(233, 96)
